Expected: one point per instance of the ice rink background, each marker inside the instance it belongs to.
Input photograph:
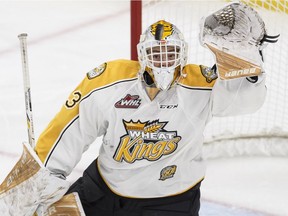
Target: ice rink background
(69, 38)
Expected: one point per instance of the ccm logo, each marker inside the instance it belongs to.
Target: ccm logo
(168, 106)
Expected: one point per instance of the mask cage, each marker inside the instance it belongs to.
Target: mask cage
(163, 54)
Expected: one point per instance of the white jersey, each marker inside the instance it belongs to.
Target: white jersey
(150, 148)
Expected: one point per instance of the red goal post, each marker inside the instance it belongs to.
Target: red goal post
(264, 132)
(136, 26)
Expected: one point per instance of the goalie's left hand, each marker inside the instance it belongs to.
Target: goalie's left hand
(236, 34)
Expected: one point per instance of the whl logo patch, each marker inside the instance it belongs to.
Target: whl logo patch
(129, 101)
(145, 141)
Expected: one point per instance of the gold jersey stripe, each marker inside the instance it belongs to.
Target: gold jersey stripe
(195, 78)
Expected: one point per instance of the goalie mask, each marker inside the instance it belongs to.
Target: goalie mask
(162, 53)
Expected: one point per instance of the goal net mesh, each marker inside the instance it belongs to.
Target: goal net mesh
(266, 131)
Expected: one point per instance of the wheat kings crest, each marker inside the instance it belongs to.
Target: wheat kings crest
(146, 141)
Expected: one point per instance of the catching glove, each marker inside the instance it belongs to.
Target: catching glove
(236, 35)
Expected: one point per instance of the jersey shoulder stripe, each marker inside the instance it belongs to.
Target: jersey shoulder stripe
(111, 72)
(198, 77)
(108, 74)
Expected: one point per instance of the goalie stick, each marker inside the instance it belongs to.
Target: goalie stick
(27, 89)
(67, 205)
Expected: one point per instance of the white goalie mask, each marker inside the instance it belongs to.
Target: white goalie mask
(162, 52)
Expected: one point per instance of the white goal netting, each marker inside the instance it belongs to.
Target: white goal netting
(266, 131)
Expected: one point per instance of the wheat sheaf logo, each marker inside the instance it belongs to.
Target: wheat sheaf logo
(97, 71)
(146, 140)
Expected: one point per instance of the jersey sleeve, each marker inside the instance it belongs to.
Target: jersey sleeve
(238, 96)
(228, 97)
(71, 131)
(82, 118)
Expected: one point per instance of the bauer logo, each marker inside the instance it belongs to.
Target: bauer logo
(129, 101)
(243, 72)
(167, 172)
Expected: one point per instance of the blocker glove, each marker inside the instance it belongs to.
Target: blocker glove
(29, 185)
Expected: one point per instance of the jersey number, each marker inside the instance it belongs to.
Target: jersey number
(70, 103)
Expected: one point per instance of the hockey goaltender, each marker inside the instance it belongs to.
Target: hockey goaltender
(151, 114)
